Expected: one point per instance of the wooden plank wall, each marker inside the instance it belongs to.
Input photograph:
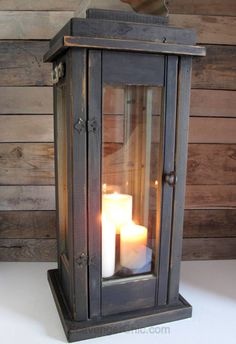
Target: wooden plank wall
(27, 216)
(210, 222)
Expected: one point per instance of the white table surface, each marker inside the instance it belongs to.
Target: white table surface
(28, 314)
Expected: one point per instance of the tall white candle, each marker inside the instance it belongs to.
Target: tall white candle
(108, 247)
(117, 208)
(133, 246)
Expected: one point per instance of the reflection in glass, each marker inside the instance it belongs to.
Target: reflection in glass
(131, 131)
(62, 168)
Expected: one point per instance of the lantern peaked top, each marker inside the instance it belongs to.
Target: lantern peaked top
(124, 31)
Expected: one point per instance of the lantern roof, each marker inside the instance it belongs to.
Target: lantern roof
(124, 31)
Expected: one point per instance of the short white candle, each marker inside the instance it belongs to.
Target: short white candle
(108, 247)
(117, 208)
(133, 246)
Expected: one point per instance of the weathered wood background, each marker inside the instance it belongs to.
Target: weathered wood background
(27, 216)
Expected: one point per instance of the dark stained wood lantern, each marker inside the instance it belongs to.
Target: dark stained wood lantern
(121, 95)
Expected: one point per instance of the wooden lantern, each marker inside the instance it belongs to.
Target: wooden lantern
(121, 94)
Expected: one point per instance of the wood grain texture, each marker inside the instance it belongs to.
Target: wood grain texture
(25, 250)
(32, 25)
(124, 72)
(217, 70)
(27, 197)
(211, 130)
(42, 197)
(25, 66)
(26, 100)
(43, 5)
(27, 224)
(209, 248)
(94, 184)
(211, 223)
(208, 164)
(205, 7)
(211, 153)
(44, 250)
(202, 130)
(213, 103)
(77, 234)
(44, 25)
(210, 196)
(133, 45)
(60, 5)
(113, 100)
(113, 128)
(204, 102)
(211, 164)
(128, 296)
(26, 128)
(209, 29)
(180, 168)
(41, 224)
(27, 163)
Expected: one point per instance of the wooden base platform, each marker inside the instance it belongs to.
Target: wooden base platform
(76, 331)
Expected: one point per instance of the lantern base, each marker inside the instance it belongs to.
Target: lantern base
(108, 325)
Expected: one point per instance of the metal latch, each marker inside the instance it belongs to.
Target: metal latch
(90, 126)
(80, 125)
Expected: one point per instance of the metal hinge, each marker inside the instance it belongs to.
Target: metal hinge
(86, 126)
(58, 73)
(170, 178)
(92, 125)
(80, 125)
(85, 260)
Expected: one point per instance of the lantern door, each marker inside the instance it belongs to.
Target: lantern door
(131, 154)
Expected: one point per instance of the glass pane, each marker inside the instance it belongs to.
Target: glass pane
(62, 167)
(130, 176)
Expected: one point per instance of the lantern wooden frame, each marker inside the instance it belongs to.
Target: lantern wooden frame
(77, 53)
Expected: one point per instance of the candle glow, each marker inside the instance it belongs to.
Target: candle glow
(117, 219)
(117, 208)
(133, 246)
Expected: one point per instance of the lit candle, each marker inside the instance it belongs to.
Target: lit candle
(108, 248)
(133, 246)
(117, 208)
